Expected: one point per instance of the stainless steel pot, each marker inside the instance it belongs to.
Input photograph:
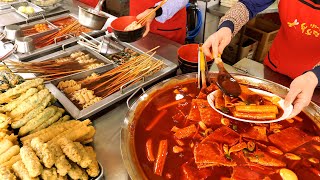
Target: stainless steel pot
(24, 44)
(128, 128)
(12, 32)
(92, 18)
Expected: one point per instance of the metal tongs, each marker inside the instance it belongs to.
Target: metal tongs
(202, 69)
(92, 43)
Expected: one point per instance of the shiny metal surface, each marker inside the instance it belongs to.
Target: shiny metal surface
(91, 20)
(52, 29)
(128, 128)
(56, 46)
(113, 98)
(12, 32)
(24, 45)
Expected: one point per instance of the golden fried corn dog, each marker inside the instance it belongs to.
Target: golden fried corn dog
(50, 121)
(13, 160)
(33, 113)
(31, 161)
(5, 144)
(62, 164)
(12, 151)
(43, 151)
(88, 136)
(93, 169)
(70, 149)
(6, 174)
(76, 172)
(38, 120)
(28, 104)
(50, 132)
(13, 104)
(85, 158)
(4, 97)
(49, 174)
(21, 171)
(4, 121)
(73, 133)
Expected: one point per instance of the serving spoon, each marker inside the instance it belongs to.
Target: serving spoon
(226, 83)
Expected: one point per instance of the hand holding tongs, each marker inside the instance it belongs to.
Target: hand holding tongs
(202, 69)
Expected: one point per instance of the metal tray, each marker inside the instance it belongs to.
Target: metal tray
(10, 16)
(123, 92)
(6, 5)
(68, 51)
(52, 29)
(37, 10)
(56, 46)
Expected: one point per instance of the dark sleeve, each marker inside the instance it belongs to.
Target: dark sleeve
(316, 71)
(256, 6)
(242, 12)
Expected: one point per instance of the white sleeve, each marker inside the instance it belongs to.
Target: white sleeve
(170, 8)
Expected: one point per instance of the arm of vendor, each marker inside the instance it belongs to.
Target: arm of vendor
(242, 12)
(169, 9)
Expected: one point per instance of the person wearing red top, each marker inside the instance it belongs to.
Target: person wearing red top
(294, 51)
(169, 21)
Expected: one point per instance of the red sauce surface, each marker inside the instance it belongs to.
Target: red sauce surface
(176, 163)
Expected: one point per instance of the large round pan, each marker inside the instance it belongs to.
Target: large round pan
(128, 128)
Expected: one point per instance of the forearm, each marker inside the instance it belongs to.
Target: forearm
(242, 12)
(170, 8)
(316, 71)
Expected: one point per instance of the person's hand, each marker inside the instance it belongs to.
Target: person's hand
(301, 91)
(148, 21)
(217, 42)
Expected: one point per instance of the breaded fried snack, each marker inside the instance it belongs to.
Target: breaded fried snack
(31, 161)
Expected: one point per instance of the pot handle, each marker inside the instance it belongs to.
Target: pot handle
(133, 94)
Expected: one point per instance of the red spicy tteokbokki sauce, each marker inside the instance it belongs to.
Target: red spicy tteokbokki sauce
(179, 136)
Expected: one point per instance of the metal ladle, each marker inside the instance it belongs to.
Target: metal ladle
(227, 84)
(93, 18)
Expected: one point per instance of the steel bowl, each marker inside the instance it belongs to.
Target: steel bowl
(128, 127)
(92, 19)
(118, 26)
(12, 32)
(24, 44)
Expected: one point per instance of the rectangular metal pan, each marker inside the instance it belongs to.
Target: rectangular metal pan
(56, 46)
(6, 5)
(113, 98)
(68, 51)
(38, 12)
(52, 29)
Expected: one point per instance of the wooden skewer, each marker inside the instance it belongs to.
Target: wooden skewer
(144, 19)
(61, 73)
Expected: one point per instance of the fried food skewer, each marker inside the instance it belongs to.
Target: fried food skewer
(31, 161)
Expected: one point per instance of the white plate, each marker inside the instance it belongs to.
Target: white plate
(286, 110)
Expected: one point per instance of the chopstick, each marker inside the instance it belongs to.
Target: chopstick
(202, 68)
(145, 18)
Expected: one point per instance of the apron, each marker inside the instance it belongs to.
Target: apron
(296, 46)
(91, 3)
(173, 29)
